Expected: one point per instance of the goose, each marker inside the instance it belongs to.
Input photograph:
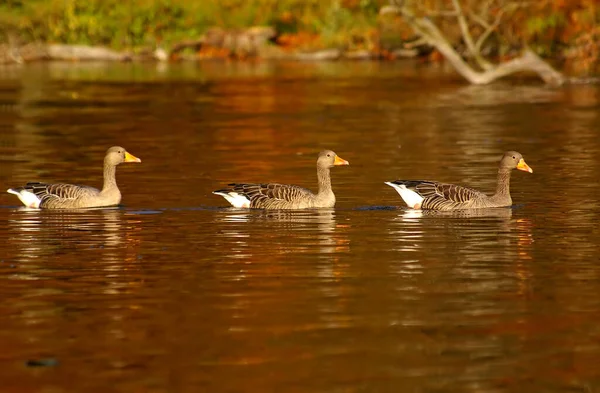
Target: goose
(431, 195)
(69, 196)
(283, 196)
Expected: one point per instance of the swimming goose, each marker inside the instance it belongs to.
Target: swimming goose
(284, 196)
(70, 196)
(431, 195)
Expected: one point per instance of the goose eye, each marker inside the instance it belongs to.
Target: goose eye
(328, 155)
(514, 158)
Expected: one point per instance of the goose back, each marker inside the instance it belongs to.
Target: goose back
(272, 195)
(444, 196)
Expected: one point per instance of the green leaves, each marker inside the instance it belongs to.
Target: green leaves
(144, 23)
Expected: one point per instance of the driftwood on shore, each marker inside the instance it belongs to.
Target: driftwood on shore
(36, 52)
(84, 53)
(258, 41)
(228, 43)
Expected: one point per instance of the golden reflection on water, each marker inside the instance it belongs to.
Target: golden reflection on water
(263, 246)
(498, 238)
(412, 222)
(330, 239)
(106, 236)
(382, 299)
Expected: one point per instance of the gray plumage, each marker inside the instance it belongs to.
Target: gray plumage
(71, 196)
(431, 195)
(284, 196)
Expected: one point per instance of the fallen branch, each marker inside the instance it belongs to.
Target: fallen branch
(36, 52)
(327, 54)
(528, 61)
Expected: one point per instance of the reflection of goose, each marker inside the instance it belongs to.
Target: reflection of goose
(472, 213)
(324, 217)
(70, 196)
(414, 225)
(98, 243)
(474, 231)
(37, 233)
(285, 196)
(281, 223)
(431, 195)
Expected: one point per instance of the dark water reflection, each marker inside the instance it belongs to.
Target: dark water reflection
(174, 292)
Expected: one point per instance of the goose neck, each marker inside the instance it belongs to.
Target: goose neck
(324, 179)
(110, 181)
(503, 182)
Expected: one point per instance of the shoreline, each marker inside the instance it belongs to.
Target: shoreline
(239, 49)
(37, 52)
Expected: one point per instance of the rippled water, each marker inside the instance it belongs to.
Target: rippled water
(175, 292)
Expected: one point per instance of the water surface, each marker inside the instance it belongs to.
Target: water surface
(173, 291)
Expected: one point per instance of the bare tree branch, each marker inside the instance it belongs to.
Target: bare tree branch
(479, 19)
(488, 31)
(464, 28)
(491, 27)
(528, 61)
(416, 43)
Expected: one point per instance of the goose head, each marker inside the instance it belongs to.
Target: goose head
(514, 160)
(116, 155)
(328, 159)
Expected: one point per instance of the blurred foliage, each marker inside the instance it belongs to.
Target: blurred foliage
(561, 29)
(134, 23)
(558, 28)
(566, 28)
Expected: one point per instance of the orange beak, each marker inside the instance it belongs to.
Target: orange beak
(522, 166)
(340, 161)
(131, 158)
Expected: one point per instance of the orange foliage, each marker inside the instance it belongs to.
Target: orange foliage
(554, 28)
(586, 50)
(211, 52)
(299, 40)
(436, 57)
(286, 17)
(569, 28)
(572, 17)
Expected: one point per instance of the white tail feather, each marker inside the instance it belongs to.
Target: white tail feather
(411, 198)
(236, 200)
(29, 199)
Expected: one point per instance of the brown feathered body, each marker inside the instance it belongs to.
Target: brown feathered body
(285, 196)
(72, 196)
(432, 195)
(280, 196)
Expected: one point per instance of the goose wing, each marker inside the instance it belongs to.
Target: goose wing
(261, 194)
(59, 192)
(441, 196)
(450, 192)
